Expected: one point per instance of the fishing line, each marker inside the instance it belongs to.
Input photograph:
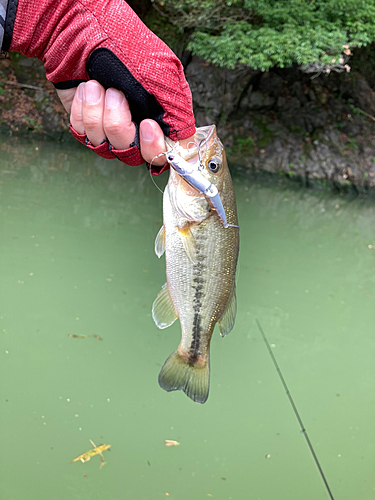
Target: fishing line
(191, 145)
(152, 177)
(304, 432)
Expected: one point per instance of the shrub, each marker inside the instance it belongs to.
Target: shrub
(318, 35)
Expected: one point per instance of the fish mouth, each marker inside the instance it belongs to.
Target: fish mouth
(203, 139)
(188, 164)
(191, 173)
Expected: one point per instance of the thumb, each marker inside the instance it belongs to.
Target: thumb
(152, 142)
(66, 97)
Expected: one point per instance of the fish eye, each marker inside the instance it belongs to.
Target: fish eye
(214, 166)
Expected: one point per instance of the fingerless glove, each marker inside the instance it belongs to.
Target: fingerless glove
(78, 40)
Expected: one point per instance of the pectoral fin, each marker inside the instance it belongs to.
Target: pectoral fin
(226, 322)
(188, 242)
(163, 311)
(160, 242)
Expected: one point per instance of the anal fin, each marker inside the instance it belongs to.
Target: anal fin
(226, 322)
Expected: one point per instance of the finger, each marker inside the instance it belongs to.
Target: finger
(152, 142)
(185, 143)
(76, 111)
(66, 97)
(92, 112)
(117, 121)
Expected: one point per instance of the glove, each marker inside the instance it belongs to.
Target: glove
(78, 40)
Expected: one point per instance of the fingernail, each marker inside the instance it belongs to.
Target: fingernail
(113, 98)
(92, 93)
(80, 91)
(147, 132)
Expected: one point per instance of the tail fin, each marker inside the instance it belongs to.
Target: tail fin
(178, 374)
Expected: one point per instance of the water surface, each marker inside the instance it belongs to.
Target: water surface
(77, 258)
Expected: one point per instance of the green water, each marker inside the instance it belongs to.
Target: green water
(77, 258)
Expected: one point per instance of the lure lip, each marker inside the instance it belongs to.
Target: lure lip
(191, 172)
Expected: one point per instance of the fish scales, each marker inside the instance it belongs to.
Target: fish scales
(198, 291)
(200, 283)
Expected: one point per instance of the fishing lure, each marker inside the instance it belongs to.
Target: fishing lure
(192, 173)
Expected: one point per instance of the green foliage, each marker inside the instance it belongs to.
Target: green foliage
(351, 145)
(242, 145)
(32, 123)
(172, 35)
(266, 33)
(354, 109)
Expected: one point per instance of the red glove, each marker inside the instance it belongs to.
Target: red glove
(78, 40)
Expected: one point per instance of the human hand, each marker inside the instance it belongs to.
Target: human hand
(106, 42)
(102, 114)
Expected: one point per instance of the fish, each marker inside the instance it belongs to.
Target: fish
(200, 240)
(97, 450)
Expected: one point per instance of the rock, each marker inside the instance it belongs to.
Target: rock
(290, 113)
(257, 101)
(365, 96)
(280, 121)
(355, 87)
(297, 90)
(271, 84)
(27, 70)
(51, 122)
(313, 116)
(217, 92)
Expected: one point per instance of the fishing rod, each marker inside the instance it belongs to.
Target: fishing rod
(304, 431)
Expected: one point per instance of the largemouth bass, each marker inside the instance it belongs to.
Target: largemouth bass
(201, 250)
